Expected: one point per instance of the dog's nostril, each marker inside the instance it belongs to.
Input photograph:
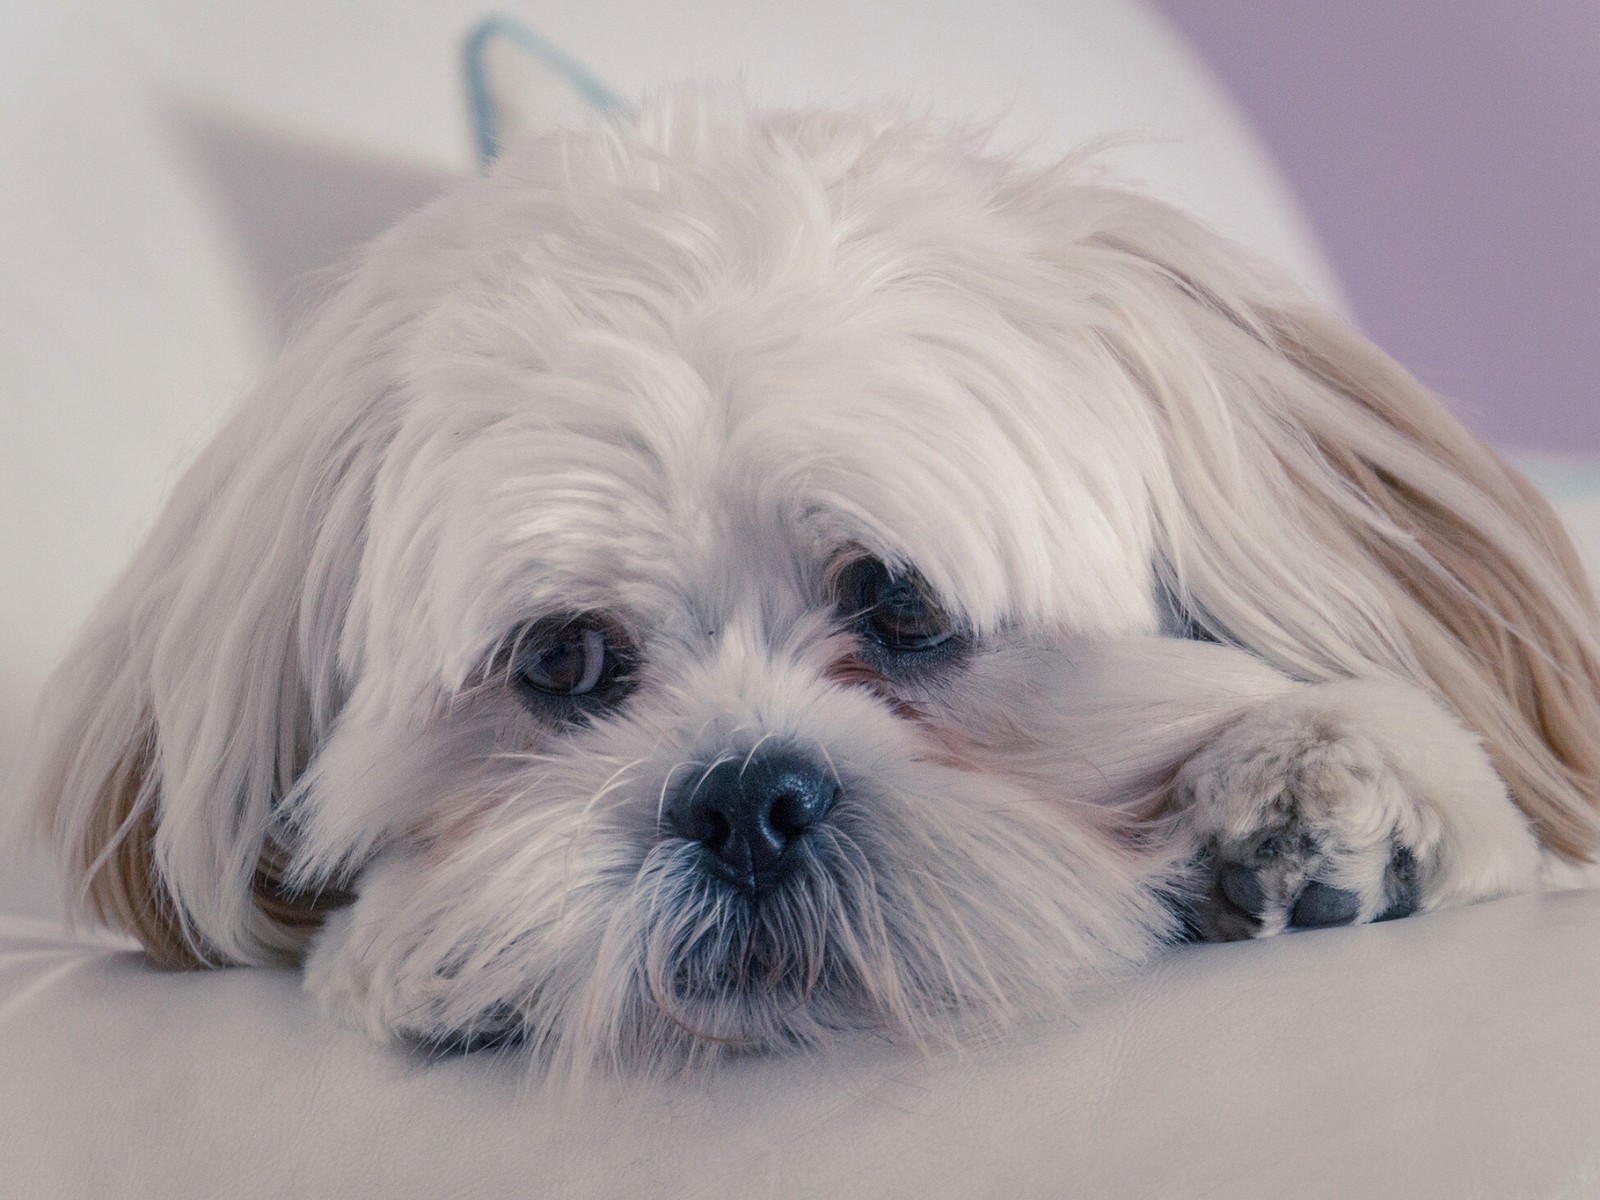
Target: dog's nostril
(748, 814)
(788, 813)
(703, 823)
(796, 809)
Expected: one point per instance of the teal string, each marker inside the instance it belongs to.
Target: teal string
(485, 122)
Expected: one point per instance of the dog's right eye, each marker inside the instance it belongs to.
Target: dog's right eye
(576, 658)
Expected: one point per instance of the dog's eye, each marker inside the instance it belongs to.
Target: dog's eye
(893, 609)
(570, 658)
(570, 667)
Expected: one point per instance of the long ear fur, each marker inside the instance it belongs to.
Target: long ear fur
(1496, 600)
(191, 702)
(1323, 509)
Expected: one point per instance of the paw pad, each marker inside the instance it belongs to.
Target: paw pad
(1276, 886)
(1319, 906)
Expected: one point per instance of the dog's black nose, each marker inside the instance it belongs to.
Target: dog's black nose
(749, 812)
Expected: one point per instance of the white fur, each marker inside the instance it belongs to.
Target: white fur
(669, 370)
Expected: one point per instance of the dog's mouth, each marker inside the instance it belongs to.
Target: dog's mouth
(717, 970)
(746, 971)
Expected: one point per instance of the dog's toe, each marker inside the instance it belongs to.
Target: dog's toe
(1404, 887)
(1242, 888)
(1319, 906)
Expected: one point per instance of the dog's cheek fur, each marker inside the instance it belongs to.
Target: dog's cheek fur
(951, 905)
(553, 907)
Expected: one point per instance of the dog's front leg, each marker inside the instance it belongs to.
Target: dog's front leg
(1272, 803)
(1342, 803)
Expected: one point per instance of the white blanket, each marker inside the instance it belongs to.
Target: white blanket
(1453, 1055)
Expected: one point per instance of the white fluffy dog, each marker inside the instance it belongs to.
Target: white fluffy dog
(732, 577)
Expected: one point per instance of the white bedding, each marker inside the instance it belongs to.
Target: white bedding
(1451, 1056)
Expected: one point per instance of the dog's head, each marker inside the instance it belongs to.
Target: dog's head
(625, 604)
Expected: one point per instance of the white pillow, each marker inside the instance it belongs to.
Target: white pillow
(1572, 482)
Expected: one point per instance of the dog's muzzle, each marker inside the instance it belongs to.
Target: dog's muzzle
(749, 814)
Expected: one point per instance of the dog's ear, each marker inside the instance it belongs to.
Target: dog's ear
(1496, 601)
(194, 697)
(1319, 506)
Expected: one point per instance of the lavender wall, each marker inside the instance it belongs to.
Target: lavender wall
(1449, 153)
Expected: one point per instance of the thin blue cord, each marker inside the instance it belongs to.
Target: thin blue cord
(485, 123)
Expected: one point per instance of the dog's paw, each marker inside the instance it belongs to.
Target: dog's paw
(1343, 804)
(1300, 824)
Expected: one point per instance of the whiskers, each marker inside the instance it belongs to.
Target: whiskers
(692, 968)
(790, 969)
(904, 915)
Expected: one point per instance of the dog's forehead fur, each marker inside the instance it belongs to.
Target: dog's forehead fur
(675, 374)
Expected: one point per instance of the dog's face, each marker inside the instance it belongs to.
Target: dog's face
(652, 591)
(710, 506)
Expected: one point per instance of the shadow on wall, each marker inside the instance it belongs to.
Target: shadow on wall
(293, 208)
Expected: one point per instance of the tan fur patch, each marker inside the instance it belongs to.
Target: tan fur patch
(1529, 678)
(123, 889)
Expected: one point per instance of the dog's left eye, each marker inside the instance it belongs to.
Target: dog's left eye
(572, 658)
(894, 609)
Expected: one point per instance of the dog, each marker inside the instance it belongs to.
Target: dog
(730, 578)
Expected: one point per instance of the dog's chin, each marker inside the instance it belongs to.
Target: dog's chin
(729, 971)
